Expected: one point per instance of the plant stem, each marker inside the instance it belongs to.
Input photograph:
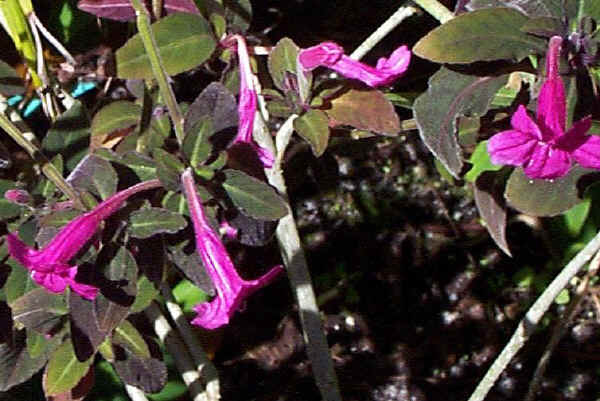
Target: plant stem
(400, 15)
(135, 393)
(181, 354)
(529, 323)
(561, 326)
(436, 9)
(145, 30)
(205, 366)
(299, 276)
(47, 168)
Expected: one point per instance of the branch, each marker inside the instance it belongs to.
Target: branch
(529, 323)
(436, 9)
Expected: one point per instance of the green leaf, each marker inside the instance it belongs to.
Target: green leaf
(188, 295)
(254, 197)
(95, 175)
(184, 42)
(64, 371)
(195, 144)
(313, 126)
(39, 310)
(575, 217)
(17, 365)
(145, 223)
(114, 117)
(563, 297)
(543, 197)
(129, 337)
(146, 293)
(483, 35)
(169, 168)
(69, 135)
(480, 159)
(143, 166)
(283, 60)
(449, 96)
(366, 109)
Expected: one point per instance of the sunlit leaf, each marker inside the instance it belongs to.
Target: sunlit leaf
(483, 35)
(254, 197)
(366, 109)
(145, 223)
(314, 128)
(129, 337)
(110, 122)
(64, 370)
(184, 41)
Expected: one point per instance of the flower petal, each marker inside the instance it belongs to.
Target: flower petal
(588, 153)
(548, 162)
(551, 109)
(521, 121)
(511, 147)
(231, 289)
(247, 105)
(331, 55)
(324, 54)
(52, 282)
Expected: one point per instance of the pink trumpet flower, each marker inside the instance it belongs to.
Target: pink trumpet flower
(541, 146)
(231, 289)
(50, 266)
(248, 103)
(331, 55)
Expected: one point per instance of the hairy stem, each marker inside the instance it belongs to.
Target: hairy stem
(299, 276)
(436, 9)
(145, 30)
(530, 322)
(382, 31)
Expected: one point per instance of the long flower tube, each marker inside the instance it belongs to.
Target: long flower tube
(50, 266)
(247, 105)
(541, 146)
(331, 55)
(231, 289)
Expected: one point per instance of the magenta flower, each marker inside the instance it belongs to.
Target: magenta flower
(49, 266)
(231, 289)
(542, 147)
(248, 103)
(17, 196)
(331, 55)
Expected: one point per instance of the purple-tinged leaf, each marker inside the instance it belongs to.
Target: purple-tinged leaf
(491, 205)
(85, 332)
(181, 6)
(6, 321)
(449, 96)
(216, 102)
(364, 109)
(544, 197)
(120, 10)
(193, 268)
(17, 366)
(148, 374)
(253, 232)
(483, 35)
(39, 310)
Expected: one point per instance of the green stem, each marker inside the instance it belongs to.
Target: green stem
(145, 30)
(436, 9)
(47, 168)
(393, 21)
(529, 323)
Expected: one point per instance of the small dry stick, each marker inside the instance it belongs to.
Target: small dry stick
(529, 323)
(560, 328)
